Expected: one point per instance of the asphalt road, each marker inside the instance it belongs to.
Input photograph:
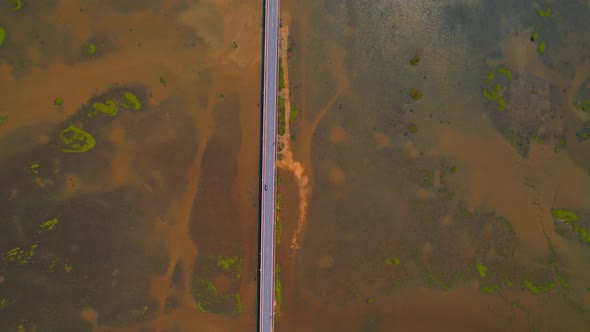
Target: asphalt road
(269, 170)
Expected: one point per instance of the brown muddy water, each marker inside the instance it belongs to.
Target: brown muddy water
(447, 149)
(130, 144)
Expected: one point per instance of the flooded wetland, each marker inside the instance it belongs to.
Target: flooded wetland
(129, 165)
(437, 171)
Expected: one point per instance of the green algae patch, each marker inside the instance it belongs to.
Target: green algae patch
(416, 94)
(507, 72)
(2, 35)
(489, 76)
(108, 108)
(413, 128)
(564, 215)
(541, 47)
(3, 120)
(130, 101)
(76, 139)
(584, 133)
(15, 4)
(481, 269)
(535, 36)
(48, 225)
(392, 261)
(226, 263)
(163, 81)
(34, 168)
(90, 48)
(544, 13)
(538, 289)
(20, 255)
(453, 170)
(58, 101)
(414, 61)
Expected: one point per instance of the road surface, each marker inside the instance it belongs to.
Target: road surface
(268, 181)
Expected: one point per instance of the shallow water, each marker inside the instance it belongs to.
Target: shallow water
(433, 204)
(129, 169)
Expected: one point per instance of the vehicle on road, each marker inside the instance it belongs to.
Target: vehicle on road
(265, 187)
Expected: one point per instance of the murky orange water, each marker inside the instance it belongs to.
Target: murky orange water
(445, 212)
(156, 208)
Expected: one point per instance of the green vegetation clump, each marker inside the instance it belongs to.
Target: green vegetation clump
(562, 144)
(226, 263)
(209, 300)
(34, 168)
(278, 291)
(19, 255)
(279, 223)
(481, 269)
(2, 35)
(281, 76)
(413, 128)
(89, 48)
(3, 120)
(536, 289)
(541, 47)
(163, 81)
(507, 72)
(108, 108)
(564, 215)
(48, 225)
(414, 60)
(583, 233)
(489, 76)
(428, 179)
(281, 116)
(58, 101)
(415, 94)
(15, 4)
(130, 101)
(76, 139)
(392, 261)
(293, 114)
(544, 13)
(535, 36)
(234, 45)
(507, 280)
(582, 106)
(584, 133)
(453, 170)
(495, 94)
